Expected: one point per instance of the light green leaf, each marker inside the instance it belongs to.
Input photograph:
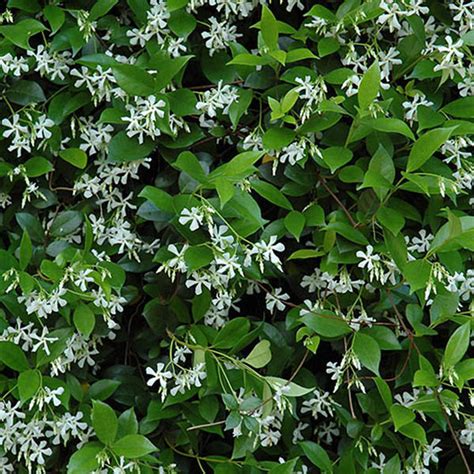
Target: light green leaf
(426, 145)
(84, 319)
(367, 351)
(269, 28)
(336, 156)
(29, 382)
(104, 422)
(369, 86)
(134, 80)
(12, 356)
(75, 156)
(133, 446)
(457, 345)
(401, 416)
(260, 355)
(26, 250)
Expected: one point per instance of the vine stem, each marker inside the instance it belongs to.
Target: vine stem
(339, 202)
(453, 434)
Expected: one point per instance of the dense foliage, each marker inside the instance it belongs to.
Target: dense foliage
(236, 236)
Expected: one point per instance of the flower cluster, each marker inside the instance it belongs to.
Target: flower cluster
(236, 235)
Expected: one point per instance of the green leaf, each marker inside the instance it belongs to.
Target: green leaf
(369, 86)
(28, 384)
(12, 356)
(299, 54)
(380, 174)
(428, 118)
(74, 156)
(127, 423)
(317, 455)
(367, 351)
(461, 108)
(293, 389)
(103, 389)
(326, 323)
(260, 355)
(225, 189)
(294, 222)
(123, 148)
(424, 378)
(231, 333)
(417, 274)
(303, 254)
(104, 422)
(133, 446)
(168, 68)
(20, 33)
(457, 345)
(176, 4)
(188, 163)
(198, 257)
(55, 17)
(31, 224)
(390, 125)
(25, 92)
(384, 391)
(401, 416)
(397, 248)
(336, 156)
(26, 250)
(161, 199)
(101, 8)
(66, 223)
(348, 232)
(239, 108)
(37, 166)
(327, 46)
(277, 138)
(426, 145)
(391, 219)
(414, 431)
(271, 193)
(84, 460)
(269, 28)
(134, 80)
(84, 319)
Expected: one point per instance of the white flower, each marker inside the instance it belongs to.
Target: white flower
(219, 36)
(430, 452)
(298, 432)
(194, 217)
(320, 404)
(412, 107)
(82, 279)
(294, 152)
(421, 243)
(180, 354)
(369, 259)
(159, 375)
(276, 299)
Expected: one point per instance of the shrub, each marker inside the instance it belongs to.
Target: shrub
(236, 236)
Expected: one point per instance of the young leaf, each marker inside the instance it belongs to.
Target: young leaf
(26, 250)
(369, 86)
(260, 355)
(133, 446)
(426, 145)
(104, 422)
(368, 351)
(457, 345)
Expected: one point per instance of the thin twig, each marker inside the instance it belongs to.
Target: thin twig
(453, 434)
(339, 202)
(206, 425)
